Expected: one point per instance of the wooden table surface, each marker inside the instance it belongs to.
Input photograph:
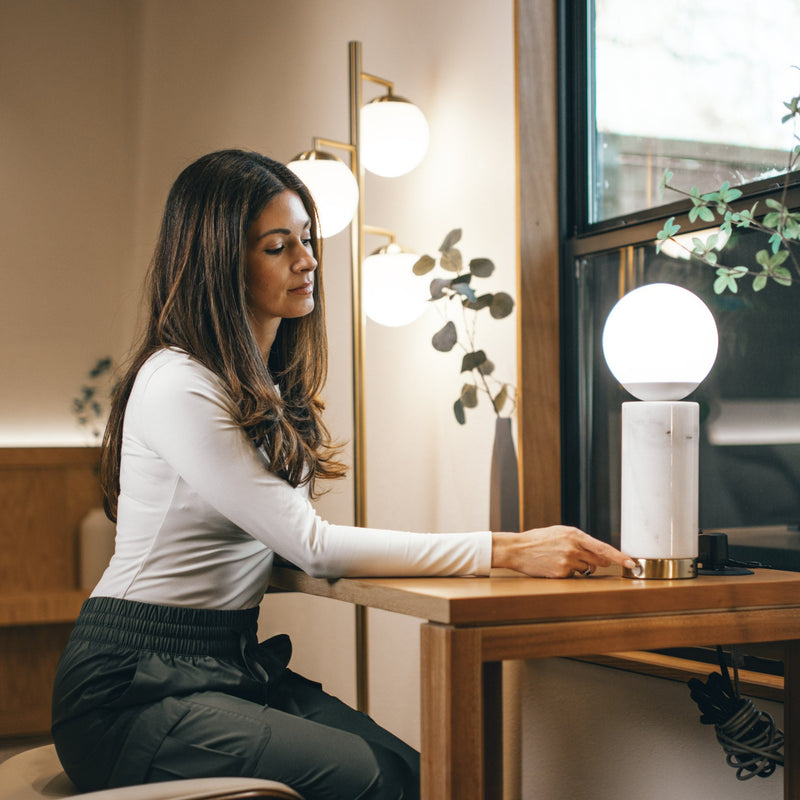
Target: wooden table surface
(508, 597)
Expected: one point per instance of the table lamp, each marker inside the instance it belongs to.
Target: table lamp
(660, 341)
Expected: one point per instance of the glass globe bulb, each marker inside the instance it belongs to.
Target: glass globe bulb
(394, 136)
(660, 341)
(333, 187)
(393, 294)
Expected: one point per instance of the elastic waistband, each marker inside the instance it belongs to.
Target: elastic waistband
(180, 631)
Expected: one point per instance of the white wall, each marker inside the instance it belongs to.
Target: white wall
(66, 170)
(104, 102)
(594, 733)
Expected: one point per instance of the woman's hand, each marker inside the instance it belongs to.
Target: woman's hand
(559, 551)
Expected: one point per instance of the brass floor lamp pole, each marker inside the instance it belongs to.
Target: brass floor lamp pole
(359, 346)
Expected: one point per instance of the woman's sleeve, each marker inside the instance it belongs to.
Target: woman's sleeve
(185, 419)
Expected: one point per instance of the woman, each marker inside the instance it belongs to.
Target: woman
(212, 451)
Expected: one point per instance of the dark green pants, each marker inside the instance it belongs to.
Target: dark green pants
(147, 693)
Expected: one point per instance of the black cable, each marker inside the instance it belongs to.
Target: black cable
(752, 743)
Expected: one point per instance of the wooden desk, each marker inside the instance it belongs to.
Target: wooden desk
(473, 624)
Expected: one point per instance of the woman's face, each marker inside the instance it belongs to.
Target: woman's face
(280, 266)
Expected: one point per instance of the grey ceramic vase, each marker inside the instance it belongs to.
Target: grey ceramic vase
(504, 480)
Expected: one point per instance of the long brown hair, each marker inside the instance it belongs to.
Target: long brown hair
(196, 301)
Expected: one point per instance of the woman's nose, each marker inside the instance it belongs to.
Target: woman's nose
(305, 261)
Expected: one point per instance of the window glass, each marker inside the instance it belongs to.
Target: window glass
(696, 86)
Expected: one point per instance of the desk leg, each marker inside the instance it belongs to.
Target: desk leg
(493, 729)
(791, 721)
(452, 685)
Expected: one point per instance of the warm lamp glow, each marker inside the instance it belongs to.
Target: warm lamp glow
(393, 295)
(660, 341)
(681, 246)
(333, 187)
(394, 136)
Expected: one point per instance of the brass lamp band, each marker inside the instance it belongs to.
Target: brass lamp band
(662, 569)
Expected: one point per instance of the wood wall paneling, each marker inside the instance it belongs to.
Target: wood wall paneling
(538, 290)
(44, 493)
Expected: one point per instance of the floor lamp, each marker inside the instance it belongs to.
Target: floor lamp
(389, 137)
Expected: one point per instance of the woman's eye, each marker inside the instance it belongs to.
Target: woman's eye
(306, 242)
(274, 251)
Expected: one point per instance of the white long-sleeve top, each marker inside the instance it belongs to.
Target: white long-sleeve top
(200, 515)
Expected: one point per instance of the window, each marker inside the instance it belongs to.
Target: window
(698, 89)
(694, 85)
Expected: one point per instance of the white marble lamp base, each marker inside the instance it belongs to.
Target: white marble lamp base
(659, 520)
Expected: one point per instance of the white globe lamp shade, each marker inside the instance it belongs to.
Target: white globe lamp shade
(393, 294)
(333, 187)
(660, 341)
(394, 136)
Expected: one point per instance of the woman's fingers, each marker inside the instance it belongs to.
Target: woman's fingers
(604, 554)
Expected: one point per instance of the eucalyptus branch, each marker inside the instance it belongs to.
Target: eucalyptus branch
(90, 405)
(459, 290)
(778, 222)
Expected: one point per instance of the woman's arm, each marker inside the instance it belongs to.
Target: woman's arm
(182, 414)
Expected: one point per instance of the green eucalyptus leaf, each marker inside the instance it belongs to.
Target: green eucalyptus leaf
(483, 301)
(792, 229)
(481, 267)
(445, 339)
(667, 232)
(500, 398)
(472, 360)
(451, 260)
(778, 258)
(439, 287)
(458, 410)
(452, 238)
(759, 282)
(726, 279)
(469, 395)
(728, 195)
(466, 291)
(102, 366)
(782, 276)
(502, 305)
(423, 265)
(705, 213)
(722, 283)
